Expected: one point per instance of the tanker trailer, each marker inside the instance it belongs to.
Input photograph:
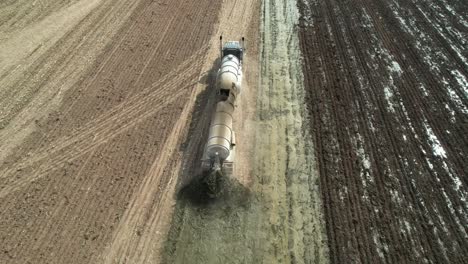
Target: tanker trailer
(219, 154)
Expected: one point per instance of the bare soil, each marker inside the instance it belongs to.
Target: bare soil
(95, 100)
(387, 96)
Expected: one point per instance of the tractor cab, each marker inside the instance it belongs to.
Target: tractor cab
(235, 48)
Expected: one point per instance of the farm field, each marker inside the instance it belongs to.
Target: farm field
(350, 132)
(388, 102)
(95, 99)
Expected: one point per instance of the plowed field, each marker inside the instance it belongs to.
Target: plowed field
(95, 97)
(388, 100)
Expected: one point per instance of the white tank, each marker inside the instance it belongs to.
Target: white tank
(230, 73)
(221, 134)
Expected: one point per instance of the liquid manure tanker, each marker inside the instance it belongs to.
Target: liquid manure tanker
(219, 154)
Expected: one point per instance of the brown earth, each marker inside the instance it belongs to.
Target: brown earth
(95, 101)
(387, 94)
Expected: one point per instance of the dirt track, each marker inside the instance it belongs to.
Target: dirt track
(270, 212)
(387, 85)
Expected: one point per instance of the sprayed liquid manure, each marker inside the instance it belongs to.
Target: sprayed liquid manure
(211, 187)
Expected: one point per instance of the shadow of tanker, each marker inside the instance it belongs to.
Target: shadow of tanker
(212, 189)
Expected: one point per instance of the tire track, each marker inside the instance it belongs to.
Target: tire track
(51, 74)
(112, 54)
(135, 110)
(125, 245)
(125, 111)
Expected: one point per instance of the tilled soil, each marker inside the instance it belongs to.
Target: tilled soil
(94, 106)
(388, 101)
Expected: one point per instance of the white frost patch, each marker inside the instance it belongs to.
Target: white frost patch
(461, 81)
(454, 96)
(431, 166)
(408, 120)
(366, 166)
(452, 115)
(442, 246)
(396, 198)
(423, 88)
(439, 151)
(454, 13)
(435, 57)
(441, 221)
(441, 33)
(378, 53)
(435, 230)
(458, 183)
(371, 125)
(437, 148)
(402, 22)
(307, 13)
(395, 68)
(452, 211)
(389, 97)
(343, 192)
(407, 226)
(379, 245)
